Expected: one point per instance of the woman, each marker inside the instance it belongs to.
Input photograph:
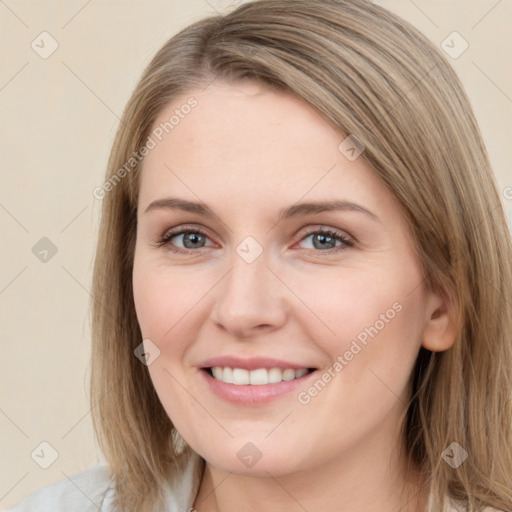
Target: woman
(303, 281)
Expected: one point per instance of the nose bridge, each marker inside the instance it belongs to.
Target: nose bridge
(249, 296)
(247, 279)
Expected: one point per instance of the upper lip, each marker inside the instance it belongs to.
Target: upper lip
(252, 363)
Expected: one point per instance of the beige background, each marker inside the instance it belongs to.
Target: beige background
(59, 116)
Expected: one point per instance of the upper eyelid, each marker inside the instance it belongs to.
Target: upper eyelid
(178, 230)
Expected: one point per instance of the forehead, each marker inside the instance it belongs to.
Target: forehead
(236, 120)
(242, 141)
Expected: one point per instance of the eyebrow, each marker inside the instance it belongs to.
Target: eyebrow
(296, 210)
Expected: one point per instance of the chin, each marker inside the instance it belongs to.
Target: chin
(254, 459)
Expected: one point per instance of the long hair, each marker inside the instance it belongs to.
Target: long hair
(371, 74)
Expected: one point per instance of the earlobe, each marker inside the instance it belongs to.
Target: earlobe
(440, 329)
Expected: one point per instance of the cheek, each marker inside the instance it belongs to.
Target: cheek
(165, 301)
(375, 319)
(151, 298)
(378, 357)
(164, 296)
(340, 304)
(368, 378)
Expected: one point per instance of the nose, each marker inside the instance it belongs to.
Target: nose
(250, 299)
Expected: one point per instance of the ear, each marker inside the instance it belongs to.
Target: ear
(440, 329)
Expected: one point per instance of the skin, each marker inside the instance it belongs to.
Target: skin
(247, 152)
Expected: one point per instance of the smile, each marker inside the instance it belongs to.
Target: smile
(257, 377)
(256, 380)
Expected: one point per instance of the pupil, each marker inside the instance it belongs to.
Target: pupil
(324, 238)
(191, 237)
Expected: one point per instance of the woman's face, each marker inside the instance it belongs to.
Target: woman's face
(268, 279)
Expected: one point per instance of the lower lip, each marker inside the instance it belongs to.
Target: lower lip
(252, 394)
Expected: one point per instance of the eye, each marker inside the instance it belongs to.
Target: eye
(324, 240)
(192, 239)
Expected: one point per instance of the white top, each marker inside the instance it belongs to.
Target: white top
(92, 491)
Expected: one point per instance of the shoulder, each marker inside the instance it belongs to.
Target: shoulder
(93, 490)
(454, 507)
(84, 492)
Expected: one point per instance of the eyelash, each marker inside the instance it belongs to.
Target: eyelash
(167, 237)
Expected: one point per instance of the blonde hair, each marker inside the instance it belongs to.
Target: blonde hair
(371, 74)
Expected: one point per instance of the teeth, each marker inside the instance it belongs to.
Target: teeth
(289, 374)
(257, 377)
(240, 376)
(227, 376)
(218, 373)
(274, 375)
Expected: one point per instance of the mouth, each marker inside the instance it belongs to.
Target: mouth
(256, 377)
(254, 381)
